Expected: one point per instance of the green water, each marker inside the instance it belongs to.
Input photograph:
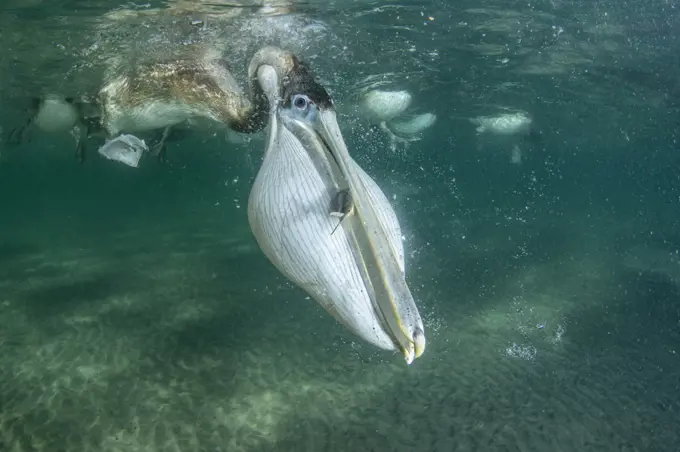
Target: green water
(137, 312)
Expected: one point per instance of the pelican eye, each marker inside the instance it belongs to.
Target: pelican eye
(300, 101)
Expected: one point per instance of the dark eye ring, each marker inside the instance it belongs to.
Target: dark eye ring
(300, 102)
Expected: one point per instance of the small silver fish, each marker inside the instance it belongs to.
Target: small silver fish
(341, 205)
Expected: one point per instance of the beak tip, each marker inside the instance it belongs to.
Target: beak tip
(416, 348)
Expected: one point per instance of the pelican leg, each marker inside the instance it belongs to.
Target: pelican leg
(80, 132)
(21, 133)
(80, 151)
(159, 149)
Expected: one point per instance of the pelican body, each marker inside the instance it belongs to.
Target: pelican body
(159, 95)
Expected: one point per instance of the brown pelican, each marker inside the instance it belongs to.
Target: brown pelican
(153, 97)
(318, 217)
(308, 182)
(160, 95)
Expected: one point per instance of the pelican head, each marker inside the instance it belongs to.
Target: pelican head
(321, 220)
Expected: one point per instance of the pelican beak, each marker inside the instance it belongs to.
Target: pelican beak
(348, 255)
(379, 257)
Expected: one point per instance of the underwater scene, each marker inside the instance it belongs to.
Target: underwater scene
(339, 225)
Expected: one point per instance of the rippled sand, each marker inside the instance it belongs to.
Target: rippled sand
(189, 340)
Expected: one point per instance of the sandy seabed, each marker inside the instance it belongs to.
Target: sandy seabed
(188, 340)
